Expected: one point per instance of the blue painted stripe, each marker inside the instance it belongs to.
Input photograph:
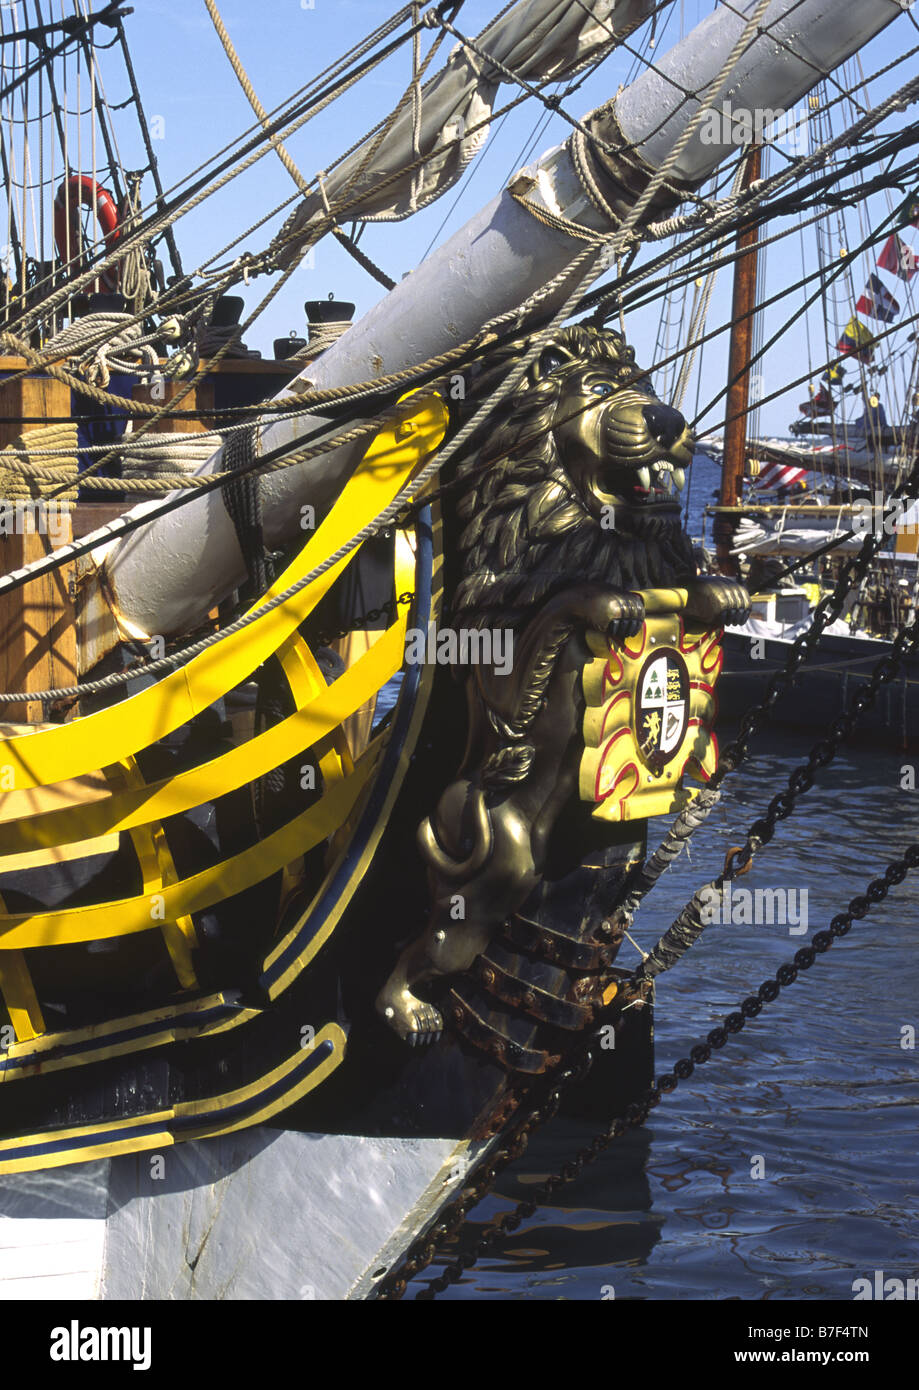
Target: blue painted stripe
(141, 1030)
(143, 1128)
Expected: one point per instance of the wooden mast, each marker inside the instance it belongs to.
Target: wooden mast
(738, 399)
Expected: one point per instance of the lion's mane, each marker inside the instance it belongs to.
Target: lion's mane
(526, 534)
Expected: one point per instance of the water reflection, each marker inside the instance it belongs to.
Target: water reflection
(819, 1095)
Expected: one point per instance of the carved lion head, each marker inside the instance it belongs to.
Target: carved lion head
(576, 476)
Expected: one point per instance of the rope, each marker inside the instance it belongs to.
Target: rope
(591, 254)
(302, 184)
(670, 848)
(19, 481)
(243, 504)
(385, 518)
(321, 336)
(135, 283)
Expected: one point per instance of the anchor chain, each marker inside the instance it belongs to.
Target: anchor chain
(638, 1112)
(421, 1254)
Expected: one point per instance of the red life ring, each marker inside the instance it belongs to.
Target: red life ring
(77, 191)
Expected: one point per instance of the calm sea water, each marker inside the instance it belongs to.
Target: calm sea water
(817, 1094)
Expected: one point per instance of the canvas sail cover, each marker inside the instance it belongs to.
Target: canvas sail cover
(541, 40)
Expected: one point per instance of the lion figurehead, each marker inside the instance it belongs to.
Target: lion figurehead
(575, 477)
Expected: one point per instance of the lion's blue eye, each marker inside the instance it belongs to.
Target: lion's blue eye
(602, 388)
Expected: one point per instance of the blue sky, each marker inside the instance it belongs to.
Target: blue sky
(186, 81)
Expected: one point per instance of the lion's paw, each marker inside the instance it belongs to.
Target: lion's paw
(617, 615)
(718, 602)
(415, 1021)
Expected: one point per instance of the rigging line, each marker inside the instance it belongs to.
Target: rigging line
(825, 74)
(132, 406)
(283, 456)
(227, 171)
(12, 234)
(203, 368)
(48, 68)
(283, 154)
(703, 98)
(843, 268)
(889, 65)
(116, 171)
(464, 182)
(126, 524)
(48, 53)
(590, 257)
(700, 240)
(553, 104)
(376, 59)
(789, 386)
(37, 35)
(152, 229)
(118, 255)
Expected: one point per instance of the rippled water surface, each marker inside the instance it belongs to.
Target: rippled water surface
(819, 1088)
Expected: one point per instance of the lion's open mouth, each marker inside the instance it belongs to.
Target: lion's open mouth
(641, 469)
(660, 482)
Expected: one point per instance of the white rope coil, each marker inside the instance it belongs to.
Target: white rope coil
(101, 343)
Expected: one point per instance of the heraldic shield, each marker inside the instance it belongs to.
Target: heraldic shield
(650, 706)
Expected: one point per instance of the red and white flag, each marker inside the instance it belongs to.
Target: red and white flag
(898, 258)
(774, 475)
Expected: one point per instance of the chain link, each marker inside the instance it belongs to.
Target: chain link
(373, 615)
(636, 1114)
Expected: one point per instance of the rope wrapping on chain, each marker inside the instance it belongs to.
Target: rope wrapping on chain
(670, 848)
(682, 934)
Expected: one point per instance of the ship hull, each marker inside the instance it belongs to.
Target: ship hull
(822, 690)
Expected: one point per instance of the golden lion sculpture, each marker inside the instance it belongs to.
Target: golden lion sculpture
(565, 505)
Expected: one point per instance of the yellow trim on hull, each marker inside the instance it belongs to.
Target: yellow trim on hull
(163, 1137)
(71, 750)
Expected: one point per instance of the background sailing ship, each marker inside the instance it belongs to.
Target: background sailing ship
(248, 1001)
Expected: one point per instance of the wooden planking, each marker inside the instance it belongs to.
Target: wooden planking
(38, 640)
(37, 635)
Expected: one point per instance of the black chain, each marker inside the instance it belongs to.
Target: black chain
(761, 832)
(638, 1112)
(802, 648)
(322, 639)
(824, 751)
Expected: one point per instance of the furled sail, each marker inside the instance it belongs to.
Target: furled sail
(539, 40)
